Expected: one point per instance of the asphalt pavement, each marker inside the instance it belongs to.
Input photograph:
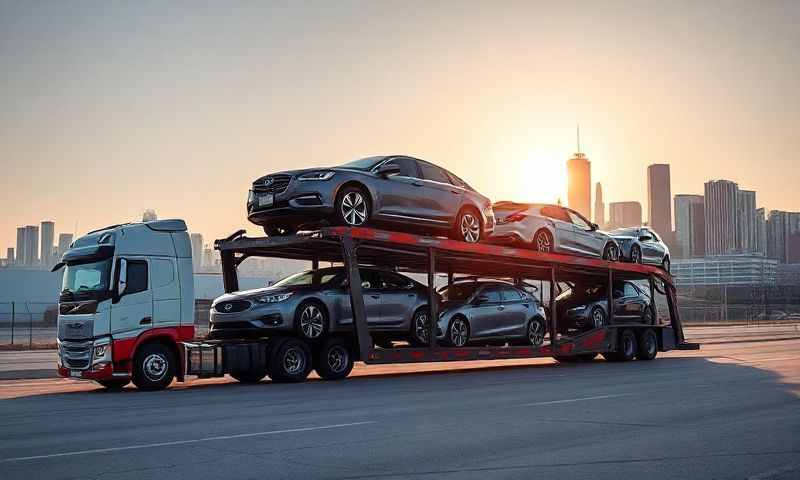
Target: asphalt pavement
(726, 411)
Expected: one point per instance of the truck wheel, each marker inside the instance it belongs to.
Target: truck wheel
(249, 376)
(290, 361)
(648, 345)
(334, 359)
(627, 346)
(114, 384)
(153, 367)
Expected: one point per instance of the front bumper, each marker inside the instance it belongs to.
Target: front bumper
(256, 322)
(87, 360)
(299, 203)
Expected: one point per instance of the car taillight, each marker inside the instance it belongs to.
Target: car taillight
(514, 217)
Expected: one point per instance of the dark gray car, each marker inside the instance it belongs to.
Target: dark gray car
(492, 311)
(585, 306)
(642, 245)
(391, 190)
(315, 303)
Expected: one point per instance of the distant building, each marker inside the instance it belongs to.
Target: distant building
(599, 206)
(31, 246)
(720, 211)
(624, 214)
(48, 236)
(20, 257)
(781, 230)
(196, 240)
(690, 225)
(744, 269)
(10, 258)
(761, 232)
(149, 215)
(579, 183)
(64, 241)
(659, 198)
(746, 218)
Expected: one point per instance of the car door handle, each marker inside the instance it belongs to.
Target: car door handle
(146, 321)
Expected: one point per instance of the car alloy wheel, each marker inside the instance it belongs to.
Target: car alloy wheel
(338, 358)
(354, 208)
(536, 332)
(611, 253)
(294, 361)
(312, 323)
(598, 318)
(470, 228)
(543, 242)
(665, 265)
(421, 328)
(155, 367)
(459, 332)
(636, 255)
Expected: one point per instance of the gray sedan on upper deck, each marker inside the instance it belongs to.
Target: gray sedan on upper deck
(642, 245)
(396, 190)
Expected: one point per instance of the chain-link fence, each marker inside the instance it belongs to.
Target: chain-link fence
(26, 324)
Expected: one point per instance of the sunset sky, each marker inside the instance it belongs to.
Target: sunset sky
(106, 110)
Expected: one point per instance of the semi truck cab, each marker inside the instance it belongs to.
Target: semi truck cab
(126, 304)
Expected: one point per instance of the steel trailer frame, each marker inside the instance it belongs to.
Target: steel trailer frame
(358, 246)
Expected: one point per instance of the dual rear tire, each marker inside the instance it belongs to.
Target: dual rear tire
(642, 347)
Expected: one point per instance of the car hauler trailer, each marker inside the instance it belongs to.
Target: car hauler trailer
(288, 358)
(126, 312)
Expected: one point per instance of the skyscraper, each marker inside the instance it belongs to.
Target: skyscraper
(64, 240)
(746, 233)
(31, 245)
(686, 233)
(10, 260)
(624, 214)
(720, 210)
(782, 229)
(599, 206)
(48, 235)
(579, 184)
(196, 240)
(20, 253)
(697, 218)
(761, 231)
(659, 199)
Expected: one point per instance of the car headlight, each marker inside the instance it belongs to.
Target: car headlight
(321, 175)
(274, 298)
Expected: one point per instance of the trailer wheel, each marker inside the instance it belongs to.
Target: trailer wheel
(153, 367)
(249, 376)
(290, 361)
(334, 359)
(648, 345)
(114, 384)
(535, 331)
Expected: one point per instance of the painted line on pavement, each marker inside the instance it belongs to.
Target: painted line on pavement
(183, 442)
(572, 400)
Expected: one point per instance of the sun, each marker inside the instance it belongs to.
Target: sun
(543, 178)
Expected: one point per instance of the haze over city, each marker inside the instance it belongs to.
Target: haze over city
(179, 109)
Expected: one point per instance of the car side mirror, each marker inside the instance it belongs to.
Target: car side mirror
(122, 282)
(594, 227)
(645, 238)
(388, 169)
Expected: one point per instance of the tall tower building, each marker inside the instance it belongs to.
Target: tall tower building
(761, 231)
(196, 241)
(31, 245)
(624, 214)
(659, 199)
(746, 230)
(20, 253)
(687, 234)
(10, 259)
(782, 229)
(599, 206)
(64, 240)
(579, 182)
(48, 236)
(720, 200)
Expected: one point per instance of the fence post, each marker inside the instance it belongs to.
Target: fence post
(30, 327)
(12, 323)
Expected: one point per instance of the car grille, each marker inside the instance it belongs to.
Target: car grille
(232, 306)
(272, 184)
(76, 355)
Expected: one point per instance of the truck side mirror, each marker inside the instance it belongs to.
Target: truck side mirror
(122, 282)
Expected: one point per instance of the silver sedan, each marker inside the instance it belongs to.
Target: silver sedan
(551, 228)
(642, 245)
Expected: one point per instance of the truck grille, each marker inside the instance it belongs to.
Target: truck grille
(232, 306)
(272, 184)
(76, 355)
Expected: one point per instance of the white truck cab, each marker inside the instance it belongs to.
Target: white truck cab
(126, 304)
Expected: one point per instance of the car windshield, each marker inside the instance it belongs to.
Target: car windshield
(309, 277)
(626, 232)
(86, 278)
(459, 292)
(363, 163)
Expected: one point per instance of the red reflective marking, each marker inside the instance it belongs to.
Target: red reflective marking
(594, 340)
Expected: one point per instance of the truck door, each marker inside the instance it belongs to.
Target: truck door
(132, 310)
(166, 292)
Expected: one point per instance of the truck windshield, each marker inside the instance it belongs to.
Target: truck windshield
(86, 279)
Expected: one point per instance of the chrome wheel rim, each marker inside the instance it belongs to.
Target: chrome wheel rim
(665, 263)
(458, 333)
(354, 208)
(421, 328)
(535, 333)
(543, 243)
(337, 359)
(470, 228)
(636, 255)
(155, 367)
(293, 361)
(312, 322)
(612, 254)
(597, 318)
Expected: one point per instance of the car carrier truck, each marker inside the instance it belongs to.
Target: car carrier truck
(126, 309)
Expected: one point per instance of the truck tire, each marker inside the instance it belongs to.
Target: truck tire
(114, 383)
(153, 367)
(290, 361)
(334, 359)
(249, 376)
(648, 345)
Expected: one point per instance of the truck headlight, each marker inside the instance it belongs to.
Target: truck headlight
(101, 353)
(321, 175)
(274, 298)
